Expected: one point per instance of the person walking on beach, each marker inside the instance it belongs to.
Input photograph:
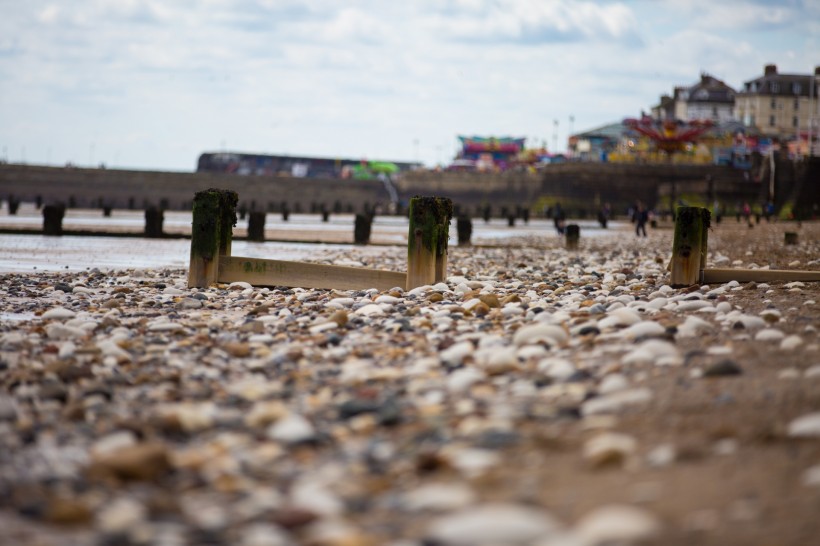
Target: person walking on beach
(641, 217)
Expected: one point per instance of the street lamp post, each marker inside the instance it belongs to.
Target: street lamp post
(555, 136)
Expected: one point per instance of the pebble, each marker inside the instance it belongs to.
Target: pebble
(806, 426)
(439, 497)
(769, 335)
(617, 524)
(609, 449)
(292, 429)
(616, 401)
(722, 368)
(490, 524)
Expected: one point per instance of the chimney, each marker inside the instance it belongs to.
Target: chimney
(770, 70)
(817, 70)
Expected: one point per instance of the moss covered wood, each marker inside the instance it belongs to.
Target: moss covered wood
(689, 246)
(428, 237)
(214, 215)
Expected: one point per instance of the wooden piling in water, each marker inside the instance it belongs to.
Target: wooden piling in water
(427, 240)
(464, 227)
(256, 226)
(53, 219)
(154, 217)
(689, 246)
(362, 225)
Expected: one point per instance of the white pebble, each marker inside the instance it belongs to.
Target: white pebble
(438, 497)
(791, 343)
(59, 313)
(291, 429)
(769, 334)
(616, 401)
(645, 328)
(617, 524)
(806, 426)
(496, 523)
(550, 334)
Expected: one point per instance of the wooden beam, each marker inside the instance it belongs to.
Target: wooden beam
(261, 272)
(709, 276)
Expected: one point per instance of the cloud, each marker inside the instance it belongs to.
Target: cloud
(536, 22)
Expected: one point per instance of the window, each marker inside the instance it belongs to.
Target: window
(797, 104)
(775, 87)
(771, 121)
(714, 112)
(773, 104)
(795, 122)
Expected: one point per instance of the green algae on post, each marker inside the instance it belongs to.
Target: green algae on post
(214, 215)
(689, 246)
(427, 240)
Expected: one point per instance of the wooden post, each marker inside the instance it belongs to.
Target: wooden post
(14, 204)
(214, 215)
(256, 226)
(53, 219)
(427, 240)
(790, 238)
(689, 246)
(464, 226)
(361, 229)
(511, 220)
(573, 234)
(154, 218)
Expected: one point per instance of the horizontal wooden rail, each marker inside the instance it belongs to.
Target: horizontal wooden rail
(262, 272)
(757, 275)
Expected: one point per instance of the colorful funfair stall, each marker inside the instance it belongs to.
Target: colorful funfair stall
(488, 153)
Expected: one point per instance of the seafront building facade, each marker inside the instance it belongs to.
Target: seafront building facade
(780, 105)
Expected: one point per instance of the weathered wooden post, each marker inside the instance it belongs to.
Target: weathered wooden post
(464, 226)
(573, 234)
(790, 238)
(14, 204)
(107, 211)
(325, 213)
(154, 217)
(256, 226)
(361, 229)
(214, 215)
(427, 240)
(511, 220)
(53, 219)
(285, 212)
(689, 246)
(487, 214)
(525, 215)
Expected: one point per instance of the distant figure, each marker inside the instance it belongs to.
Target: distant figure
(558, 218)
(640, 217)
(747, 212)
(603, 215)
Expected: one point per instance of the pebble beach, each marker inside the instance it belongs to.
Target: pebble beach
(538, 397)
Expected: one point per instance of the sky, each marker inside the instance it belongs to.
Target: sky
(152, 84)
